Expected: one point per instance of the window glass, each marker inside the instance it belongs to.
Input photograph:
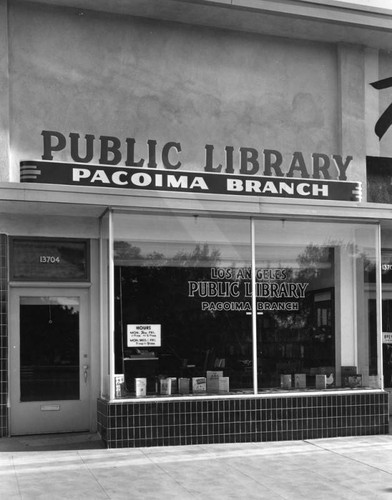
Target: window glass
(319, 325)
(183, 304)
(182, 309)
(49, 348)
(386, 277)
(106, 303)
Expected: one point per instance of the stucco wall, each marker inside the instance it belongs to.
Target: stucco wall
(385, 99)
(129, 77)
(4, 93)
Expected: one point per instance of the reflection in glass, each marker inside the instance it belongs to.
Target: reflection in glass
(49, 348)
(296, 332)
(192, 276)
(184, 277)
(319, 318)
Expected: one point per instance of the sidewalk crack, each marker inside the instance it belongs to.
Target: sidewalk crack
(348, 457)
(16, 477)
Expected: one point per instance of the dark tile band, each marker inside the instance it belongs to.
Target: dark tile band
(165, 423)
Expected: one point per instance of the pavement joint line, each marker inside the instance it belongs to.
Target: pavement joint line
(16, 478)
(94, 476)
(349, 458)
(272, 491)
(208, 454)
(157, 464)
(258, 482)
(229, 455)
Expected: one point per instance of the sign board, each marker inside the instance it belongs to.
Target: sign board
(387, 338)
(75, 174)
(143, 335)
(49, 259)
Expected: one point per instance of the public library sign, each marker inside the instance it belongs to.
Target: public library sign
(245, 171)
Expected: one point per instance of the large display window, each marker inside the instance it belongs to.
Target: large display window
(319, 322)
(177, 277)
(386, 278)
(212, 305)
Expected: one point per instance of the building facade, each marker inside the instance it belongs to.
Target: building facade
(195, 233)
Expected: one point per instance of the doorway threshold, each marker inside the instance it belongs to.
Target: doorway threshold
(52, 442)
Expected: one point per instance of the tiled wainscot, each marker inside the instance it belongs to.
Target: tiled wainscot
(243, 419)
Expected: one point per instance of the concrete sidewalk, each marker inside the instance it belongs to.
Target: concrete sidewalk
(338, 468)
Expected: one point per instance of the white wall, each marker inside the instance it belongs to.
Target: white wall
(129, 77)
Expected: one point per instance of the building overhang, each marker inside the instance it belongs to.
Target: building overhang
(92, 202)
(324, 21)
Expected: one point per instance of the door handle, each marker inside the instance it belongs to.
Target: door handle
(85, 368)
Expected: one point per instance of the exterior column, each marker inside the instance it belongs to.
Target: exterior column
(4, 177)
(352, 130)
(345, 312)
(4, 94)
(372, 111)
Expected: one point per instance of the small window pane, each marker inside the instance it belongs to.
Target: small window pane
(49, 348)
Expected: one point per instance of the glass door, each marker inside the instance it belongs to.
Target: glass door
(49, 361)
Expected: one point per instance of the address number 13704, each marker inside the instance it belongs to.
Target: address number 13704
(49, 259)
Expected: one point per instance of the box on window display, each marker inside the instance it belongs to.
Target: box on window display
(213, 380)
(174, 385)
(224, 384)
(119, 382)
(165, 386)
(285, 381)
(199, 384)
(183, 385)
(300, 380)
(354, 381)
(321, 381)
(141, 387)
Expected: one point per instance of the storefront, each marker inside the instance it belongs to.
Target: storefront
(195, 233)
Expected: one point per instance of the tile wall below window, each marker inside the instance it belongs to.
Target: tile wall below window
(3, 336)
(203, 421)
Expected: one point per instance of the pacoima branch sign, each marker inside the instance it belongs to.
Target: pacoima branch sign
(244, 171)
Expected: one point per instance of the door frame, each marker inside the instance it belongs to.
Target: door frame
(50, 416)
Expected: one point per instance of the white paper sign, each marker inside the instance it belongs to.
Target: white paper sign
(387, 338)
(143, 335)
